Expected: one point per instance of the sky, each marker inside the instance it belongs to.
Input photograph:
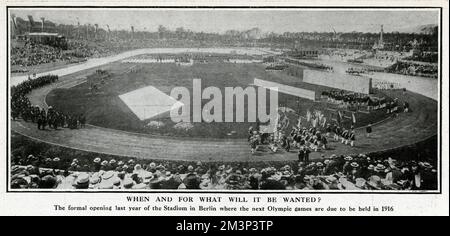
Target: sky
(220, 20)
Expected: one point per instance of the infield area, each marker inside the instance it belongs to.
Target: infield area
(113, 128)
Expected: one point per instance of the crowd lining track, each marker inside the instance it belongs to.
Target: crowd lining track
(403, 130)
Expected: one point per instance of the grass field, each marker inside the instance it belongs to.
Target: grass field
(104, 108)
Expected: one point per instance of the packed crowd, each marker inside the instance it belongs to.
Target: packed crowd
(423, 69)
(31, 54)
(354, 172)
(345, 97)
(385, 85)
(21, 107)
(34, 54)
(356, 101)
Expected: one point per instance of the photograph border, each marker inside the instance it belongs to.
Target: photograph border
(409, 192)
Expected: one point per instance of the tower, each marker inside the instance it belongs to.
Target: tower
(95, 32)
(14, 26)
(381, 43)
(42, 26)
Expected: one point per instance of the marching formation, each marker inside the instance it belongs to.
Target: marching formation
(21, 107)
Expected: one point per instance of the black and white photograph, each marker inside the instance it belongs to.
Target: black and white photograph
(224, 100)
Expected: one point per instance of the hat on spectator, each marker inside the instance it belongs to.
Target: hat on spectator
(112, 161)
(106, 185)
(75, 160)
(168, 174)
(97, 160)
(152, 165)
(190, 168)
(354, 164)
(104, 163)
(137, 168)
(146, 176)
(128, 183)
(348, 158)
(374, 181)
(426, 165)
(56, 159)
(116, 181)
(108, 175)
(160, 167)
(370, 167)
(199, 163)
(120, 163)
(131, 161)
(380, 168)
(82, 180)
(95, 179)
(140, 186)
(326, 162)
(319, 164)
(331, 179)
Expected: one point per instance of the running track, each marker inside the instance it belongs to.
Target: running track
(395, 132)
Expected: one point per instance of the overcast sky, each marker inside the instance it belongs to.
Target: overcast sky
(220, 20)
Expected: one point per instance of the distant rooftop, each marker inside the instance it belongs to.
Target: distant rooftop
(44, 34)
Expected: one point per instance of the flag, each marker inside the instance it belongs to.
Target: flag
(299, 124)
(353, 118)
(308, 116)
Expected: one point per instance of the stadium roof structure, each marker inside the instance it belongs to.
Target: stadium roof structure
(44, 34)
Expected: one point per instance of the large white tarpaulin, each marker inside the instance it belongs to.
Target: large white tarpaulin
(359, 84)
(282, 88)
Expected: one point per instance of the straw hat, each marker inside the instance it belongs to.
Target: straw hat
(354, 165)
(380, 168)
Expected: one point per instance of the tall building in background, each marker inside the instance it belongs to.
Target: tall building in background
(381, 43)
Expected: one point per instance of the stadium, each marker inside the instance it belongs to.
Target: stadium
(107, 122)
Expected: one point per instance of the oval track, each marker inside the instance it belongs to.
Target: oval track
(402, 130)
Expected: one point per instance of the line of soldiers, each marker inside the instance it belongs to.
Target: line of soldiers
(347, 136)
(346, 97)
(51, 118)
(22, 107)
(311, 138)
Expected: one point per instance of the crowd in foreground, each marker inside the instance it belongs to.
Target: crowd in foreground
(353, 172)
(21, 107)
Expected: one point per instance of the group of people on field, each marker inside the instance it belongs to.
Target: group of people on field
(21, 107)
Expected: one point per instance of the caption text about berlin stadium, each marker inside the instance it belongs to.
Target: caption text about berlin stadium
(221, 204)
